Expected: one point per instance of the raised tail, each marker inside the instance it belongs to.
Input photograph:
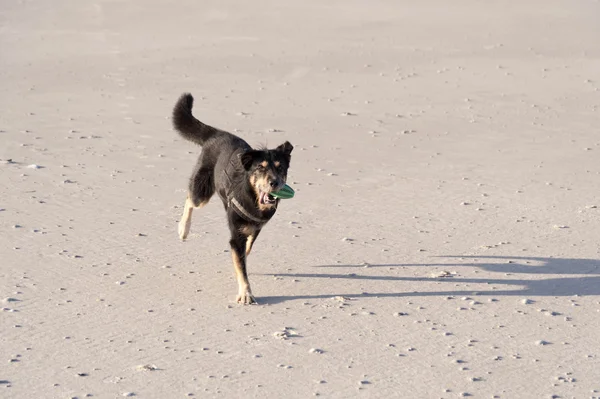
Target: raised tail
(187, 125)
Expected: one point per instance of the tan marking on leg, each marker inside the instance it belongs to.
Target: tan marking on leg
(186, 217)
(249, 245)
(244, 295)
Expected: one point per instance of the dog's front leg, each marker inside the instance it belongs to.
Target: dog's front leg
(250, 241)
(238, 254)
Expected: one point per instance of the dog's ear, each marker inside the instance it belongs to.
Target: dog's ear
(247, 158)
(285, 148)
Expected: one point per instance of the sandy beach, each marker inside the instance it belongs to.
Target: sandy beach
(444, 237)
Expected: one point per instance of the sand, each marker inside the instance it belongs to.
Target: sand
(443, 241)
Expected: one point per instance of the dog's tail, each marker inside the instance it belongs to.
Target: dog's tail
(187, 125)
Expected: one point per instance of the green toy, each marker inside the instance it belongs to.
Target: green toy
(285, 193)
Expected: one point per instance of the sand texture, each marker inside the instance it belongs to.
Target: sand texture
(444, 237)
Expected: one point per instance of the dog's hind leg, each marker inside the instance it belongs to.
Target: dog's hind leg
(201, 189)
(186, 219)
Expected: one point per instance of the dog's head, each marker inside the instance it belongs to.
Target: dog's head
(267, 171)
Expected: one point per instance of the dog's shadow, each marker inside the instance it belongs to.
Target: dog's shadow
(586, 280)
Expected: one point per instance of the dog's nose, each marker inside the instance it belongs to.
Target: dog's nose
(274, 183)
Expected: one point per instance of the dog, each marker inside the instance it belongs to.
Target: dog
(243, 178)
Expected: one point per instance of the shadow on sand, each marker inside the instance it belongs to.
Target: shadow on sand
(567, 277)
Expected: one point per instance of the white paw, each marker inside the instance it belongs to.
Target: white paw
(246, 298)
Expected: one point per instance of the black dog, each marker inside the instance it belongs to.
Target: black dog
(243, 178)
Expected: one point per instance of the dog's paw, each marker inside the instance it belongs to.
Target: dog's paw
(246, 298)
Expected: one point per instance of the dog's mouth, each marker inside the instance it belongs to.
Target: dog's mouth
(266, 198)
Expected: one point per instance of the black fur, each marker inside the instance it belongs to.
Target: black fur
(189, 127)
(240, 175)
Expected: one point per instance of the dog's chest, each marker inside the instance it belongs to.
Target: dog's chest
(249, 229)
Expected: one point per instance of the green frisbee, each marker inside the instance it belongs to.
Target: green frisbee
(285, 193)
